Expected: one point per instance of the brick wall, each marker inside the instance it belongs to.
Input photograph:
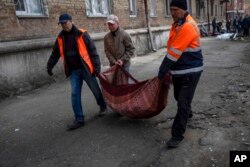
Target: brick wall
(14, 28)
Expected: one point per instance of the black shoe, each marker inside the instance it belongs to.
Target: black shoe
(173, 142)
(190, 115)
(102, 111)
(75, 125)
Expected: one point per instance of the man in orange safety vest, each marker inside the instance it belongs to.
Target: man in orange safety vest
(81, 62)
(184, 61)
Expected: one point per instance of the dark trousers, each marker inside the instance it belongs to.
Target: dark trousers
(184, 88)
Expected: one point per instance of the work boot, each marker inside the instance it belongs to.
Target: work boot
(173, 142)
(75, 125)
(102, 111)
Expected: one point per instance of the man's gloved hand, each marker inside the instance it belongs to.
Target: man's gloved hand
(49, 72)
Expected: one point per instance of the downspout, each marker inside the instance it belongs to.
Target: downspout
(208, 20)
(148, 26)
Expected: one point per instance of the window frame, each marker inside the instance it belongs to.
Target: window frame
(215, 10)
(90, 8)
(153, 9)
(132, 4)
(212, 8)
(198, 8)
(167, 8)
(27, 12)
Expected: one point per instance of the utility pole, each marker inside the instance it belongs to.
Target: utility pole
(148, 25)
(208, 20)
(226, 11)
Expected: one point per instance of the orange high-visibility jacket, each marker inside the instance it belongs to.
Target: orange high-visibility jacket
(184, 48)
(83, 52)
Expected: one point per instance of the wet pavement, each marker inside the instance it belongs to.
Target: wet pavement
(33, 125)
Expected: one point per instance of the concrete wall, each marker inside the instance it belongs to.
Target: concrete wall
(23, 63)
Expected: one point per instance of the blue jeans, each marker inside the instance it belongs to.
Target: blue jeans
(76, 78)
(127, 67)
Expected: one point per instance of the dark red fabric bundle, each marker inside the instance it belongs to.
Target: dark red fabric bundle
(131, 98)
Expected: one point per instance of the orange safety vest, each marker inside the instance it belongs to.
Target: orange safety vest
(184, 48)
(82, 51)
(177, 43)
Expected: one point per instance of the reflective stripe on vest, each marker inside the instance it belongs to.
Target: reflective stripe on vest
(82, 51)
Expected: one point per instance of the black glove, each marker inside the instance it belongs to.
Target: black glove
(164, 68)
(50, 72)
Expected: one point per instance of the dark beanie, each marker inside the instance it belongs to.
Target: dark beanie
(179, 3)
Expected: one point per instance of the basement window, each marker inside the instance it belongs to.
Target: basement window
(97, 8)
(31, 8)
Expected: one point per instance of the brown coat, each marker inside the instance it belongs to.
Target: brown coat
(118, 46)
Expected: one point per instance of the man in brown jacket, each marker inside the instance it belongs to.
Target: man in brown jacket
(118, 45)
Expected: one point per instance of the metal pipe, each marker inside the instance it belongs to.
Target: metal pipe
(148, 25)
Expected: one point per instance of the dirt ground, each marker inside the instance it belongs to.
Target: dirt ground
(33, 125)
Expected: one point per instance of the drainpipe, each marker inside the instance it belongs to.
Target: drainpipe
(208, 20)
(148, 25)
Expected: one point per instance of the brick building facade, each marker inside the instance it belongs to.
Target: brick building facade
(16, 25)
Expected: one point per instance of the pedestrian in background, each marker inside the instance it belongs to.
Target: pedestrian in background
(245, 26)
(228, 25)
(184, 61)
(214, 25)
(81, 62)
(237, 24)
(118, 44)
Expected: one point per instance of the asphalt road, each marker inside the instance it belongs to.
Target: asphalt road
(33, 125)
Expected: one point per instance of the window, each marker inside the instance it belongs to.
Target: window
(30, 7)
(132, 8)
(216, 10)
(221, 9)
(167, 8)
(212, 8)
(97, 7)
(153, 4)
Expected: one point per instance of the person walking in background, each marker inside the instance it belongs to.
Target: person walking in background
(81, 62)
(245, 26)
(228, 25)
(184, 61)
(118, 44)
(237, 24)
(214, 25)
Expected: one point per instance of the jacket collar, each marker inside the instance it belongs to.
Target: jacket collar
(115, 32)
(76, 31)
(181, 21)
